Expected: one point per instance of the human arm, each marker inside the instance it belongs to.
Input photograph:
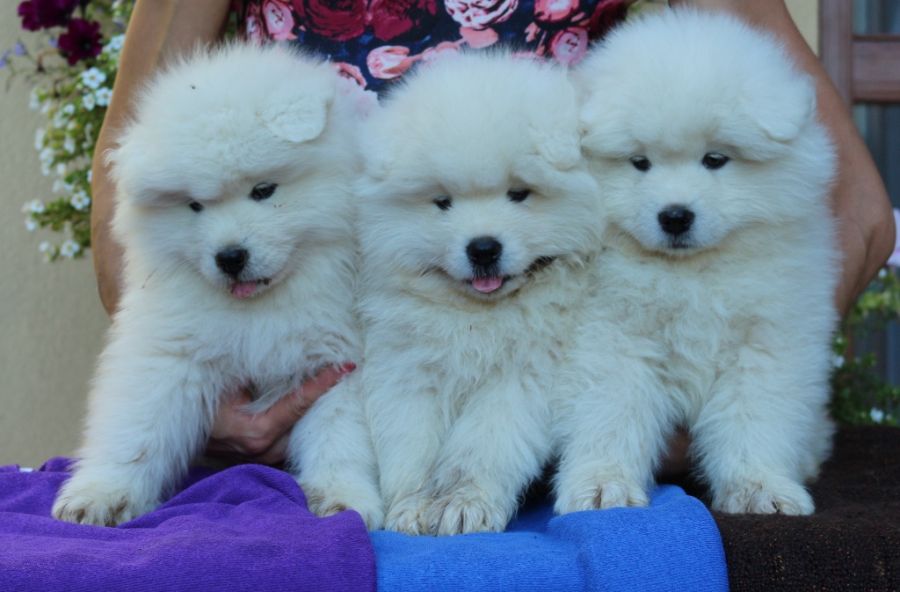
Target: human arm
(158, 30)
(859, 198)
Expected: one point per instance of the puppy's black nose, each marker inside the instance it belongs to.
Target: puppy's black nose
(484, 251)
(232, 260)
(675, 220)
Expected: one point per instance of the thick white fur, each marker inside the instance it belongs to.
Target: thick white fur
(458, 382)
(208, 130)
(730, 337)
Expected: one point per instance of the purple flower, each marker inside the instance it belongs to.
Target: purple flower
(42, 14)
(19, 49)
(81, 41)
(4, 59)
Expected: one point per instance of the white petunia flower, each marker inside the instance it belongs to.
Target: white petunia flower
(103, 96)
(69, 144)
(882, 273)
(69, 248)
(34, 101)
(39, 136)
(90, 174)
(115, 44)
(46, 155)
(89, 101)
(80, 200)
(34, 206)
(30, 225)
(837, 361)
(68, 109)
(45, 247)
(93, 78)
(61, 169)
(876, 414)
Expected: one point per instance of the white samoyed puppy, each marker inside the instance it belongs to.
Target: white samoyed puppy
(715, 303)
(476, 221)
(235, 212)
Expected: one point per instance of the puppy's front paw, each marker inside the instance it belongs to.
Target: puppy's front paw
(601, 493)
(326, 502)
(407, 514)
(776, 496)
(466, 509)
(98, 503)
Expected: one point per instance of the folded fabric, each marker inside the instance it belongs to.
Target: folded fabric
(672, 545)
(244, 528)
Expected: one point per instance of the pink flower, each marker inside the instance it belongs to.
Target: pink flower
(392, 18)
(339, 20)
(350, 72)
(253, 26)
(480, 14)
(554, 11)
(441, 50)
(569, 45)
(279, 19)
(389, 61)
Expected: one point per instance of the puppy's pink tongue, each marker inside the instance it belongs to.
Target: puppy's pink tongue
(241, 290)
(487, 285)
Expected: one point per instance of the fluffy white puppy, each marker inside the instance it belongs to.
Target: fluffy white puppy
(235, 213)
(715, 307)
(476, 219)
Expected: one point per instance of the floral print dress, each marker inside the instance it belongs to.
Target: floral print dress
(373, 42)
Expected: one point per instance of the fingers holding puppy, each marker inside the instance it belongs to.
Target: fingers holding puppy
(263, 437)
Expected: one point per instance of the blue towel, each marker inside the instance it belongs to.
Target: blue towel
(672, 545)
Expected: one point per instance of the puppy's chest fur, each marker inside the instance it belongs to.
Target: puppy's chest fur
(517, 341)
(692, 320)
(268, 345)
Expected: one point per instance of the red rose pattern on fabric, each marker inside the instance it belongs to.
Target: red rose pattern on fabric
(393, 18)
(374, 42)
(339, 20)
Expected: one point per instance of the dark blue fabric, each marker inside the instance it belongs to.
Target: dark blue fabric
(672, 545)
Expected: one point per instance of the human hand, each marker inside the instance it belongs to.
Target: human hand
(263, 437)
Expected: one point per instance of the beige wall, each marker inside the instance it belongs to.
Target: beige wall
(806, 15)
(52, 322)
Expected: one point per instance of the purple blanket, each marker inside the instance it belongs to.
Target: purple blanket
(245, 528)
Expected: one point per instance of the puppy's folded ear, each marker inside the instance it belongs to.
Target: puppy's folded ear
(559, 146)
(554, 124)
(299, 112)
(604, 129)
(782, 111)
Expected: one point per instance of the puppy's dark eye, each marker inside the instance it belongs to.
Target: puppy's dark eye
(196, 206)
(641, 163)
(263, 191)
(443, 203)
(518, 195)
(714, 160)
